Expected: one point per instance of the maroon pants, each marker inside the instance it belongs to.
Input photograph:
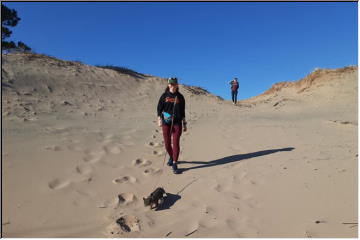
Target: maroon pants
(173, 150)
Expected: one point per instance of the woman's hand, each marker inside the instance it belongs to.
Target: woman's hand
(184, 126)
(159, 121)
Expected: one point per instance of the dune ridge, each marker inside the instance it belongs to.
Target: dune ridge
(317, 77)
(323, 86)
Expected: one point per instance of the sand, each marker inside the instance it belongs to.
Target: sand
(81, 148)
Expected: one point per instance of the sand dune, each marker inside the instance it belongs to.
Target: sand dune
(81, 148)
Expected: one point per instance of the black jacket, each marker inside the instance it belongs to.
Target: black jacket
(166, 104)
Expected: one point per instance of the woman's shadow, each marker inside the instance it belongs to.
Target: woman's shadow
(233, 158)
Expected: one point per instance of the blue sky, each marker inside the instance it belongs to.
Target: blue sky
(205, 44)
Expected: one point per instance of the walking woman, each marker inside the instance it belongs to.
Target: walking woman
(171, 117)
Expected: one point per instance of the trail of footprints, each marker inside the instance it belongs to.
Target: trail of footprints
(83, 172)
(125, 223)
(108, 146)
(121, 223)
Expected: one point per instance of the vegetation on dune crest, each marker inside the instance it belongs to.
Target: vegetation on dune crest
(123, 70)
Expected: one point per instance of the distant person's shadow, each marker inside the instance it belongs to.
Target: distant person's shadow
(169, 201)
(233, 158)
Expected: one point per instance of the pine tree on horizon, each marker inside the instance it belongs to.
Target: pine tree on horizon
(9, 18)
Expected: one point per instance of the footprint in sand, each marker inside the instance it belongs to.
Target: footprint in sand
(123, 224)
(93, 157)
(141, 162)
(308, 234)
(209, 219)
(74, 148)
(57, 130)
(236, 196)
(151, 171)
(53, 148)
(83, 170)
(209, 210)
(129, 222)
(112, 149)
(158, 153)
(125, 199)
(125, 179)
(57, 184)
(154, 144)
(219, 188)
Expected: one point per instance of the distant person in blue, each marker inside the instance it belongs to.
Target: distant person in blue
(234, 89)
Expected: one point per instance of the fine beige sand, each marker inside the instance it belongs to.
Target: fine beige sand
(81, 148)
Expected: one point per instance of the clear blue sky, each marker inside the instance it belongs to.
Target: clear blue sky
(204, 44)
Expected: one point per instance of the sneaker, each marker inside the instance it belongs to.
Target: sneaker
(170, 162)
(175, 169)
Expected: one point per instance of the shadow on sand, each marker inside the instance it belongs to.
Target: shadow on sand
(233, 158)
(170, 200)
